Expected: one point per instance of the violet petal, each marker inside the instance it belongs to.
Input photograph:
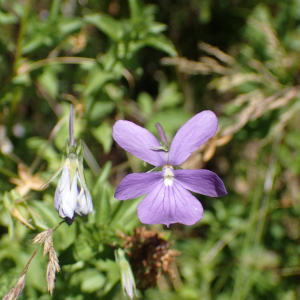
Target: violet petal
(170, 204)
(191, 135)
(137, 184)
(139, 141)
(201, 181)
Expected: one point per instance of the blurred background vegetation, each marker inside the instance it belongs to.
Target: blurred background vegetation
(147, 62)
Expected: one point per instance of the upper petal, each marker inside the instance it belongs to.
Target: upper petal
(137, 184)
(139, 141)
(191, 135)
(201, 181)
(170, 204)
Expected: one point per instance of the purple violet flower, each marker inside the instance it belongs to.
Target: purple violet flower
(168, 200)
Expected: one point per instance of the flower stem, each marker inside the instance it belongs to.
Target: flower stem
(71, 130)
(21, 36)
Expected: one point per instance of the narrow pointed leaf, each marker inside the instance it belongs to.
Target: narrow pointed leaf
(102, 177)
(108, 25)
(135, 9)
(103, 206)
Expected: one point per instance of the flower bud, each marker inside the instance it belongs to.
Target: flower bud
(127, 279)
(66, 194)
(71, 195)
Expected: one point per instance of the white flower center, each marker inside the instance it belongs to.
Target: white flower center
(168, 175)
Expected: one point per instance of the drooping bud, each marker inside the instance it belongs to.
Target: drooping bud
(71, 195)
(66, 193)
(127, 279)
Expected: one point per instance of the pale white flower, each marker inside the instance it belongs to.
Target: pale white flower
(71, 195)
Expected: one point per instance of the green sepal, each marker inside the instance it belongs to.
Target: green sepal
(80, 170)
(163, 147)
(46, 184)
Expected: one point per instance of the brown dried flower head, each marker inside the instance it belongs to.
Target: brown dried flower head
(150, 256)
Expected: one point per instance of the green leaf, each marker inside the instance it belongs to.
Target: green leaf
(49, 82)
(90, 280)
(125, 215)
(68, 26)
(102, 177)
(7, 18)
(101, 110)
(108, 25)
(44, 212)
(103, 134)
(170, 96)
(103, 206)
(157, 27)
(145, 102)
(82, 250)
(65, 236)
(34, 43)
(97, 78)
(112, 273)
(161, 43)
(22, 79)
(135, 9)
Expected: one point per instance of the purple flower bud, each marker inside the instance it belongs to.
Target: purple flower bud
(161, 134)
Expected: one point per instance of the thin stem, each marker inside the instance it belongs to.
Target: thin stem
(233, 233)
(71, 129)
(56, 226)
(21, 36)
(15, 158)
(268, 187)
(51, 137)
(56, 60)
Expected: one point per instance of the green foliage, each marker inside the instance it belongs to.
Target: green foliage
(104, 57)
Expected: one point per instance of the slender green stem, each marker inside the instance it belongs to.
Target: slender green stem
(21, 36)
(268, 186)
(50, 139)
(233, 233)
(71, 129)
(57, 60)
(253, 237)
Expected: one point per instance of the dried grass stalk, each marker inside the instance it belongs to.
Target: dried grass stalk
(17, 289)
